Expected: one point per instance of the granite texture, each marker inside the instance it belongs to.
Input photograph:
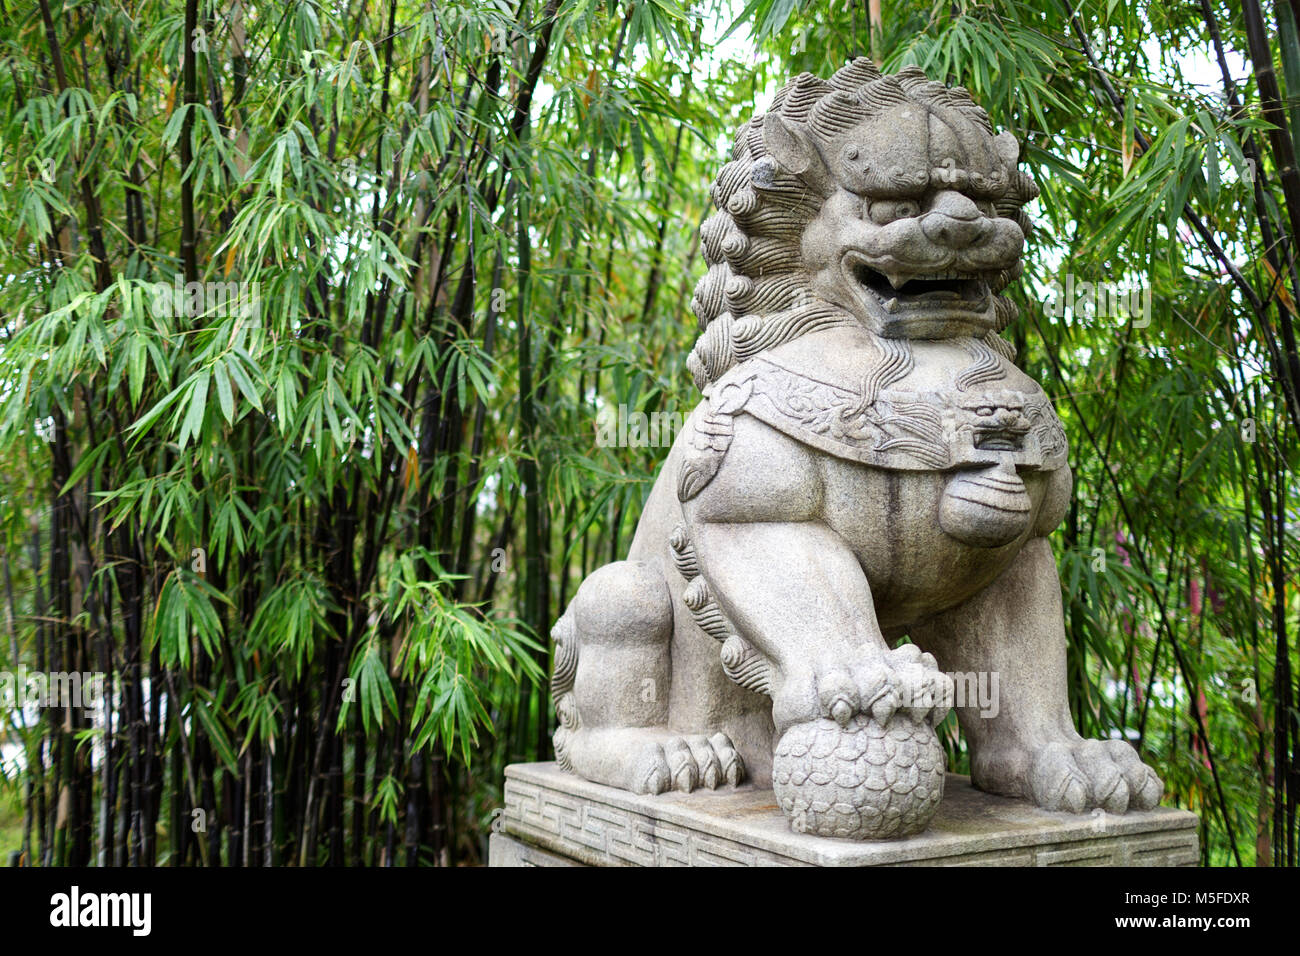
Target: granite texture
(553, 818)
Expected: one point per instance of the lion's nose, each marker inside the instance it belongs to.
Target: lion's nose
(953, 221)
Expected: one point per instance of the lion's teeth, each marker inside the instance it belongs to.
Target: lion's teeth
(937, 276)
(892, 305)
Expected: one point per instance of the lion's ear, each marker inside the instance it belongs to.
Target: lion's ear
(791, 146)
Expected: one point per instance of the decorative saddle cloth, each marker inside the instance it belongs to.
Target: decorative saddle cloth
(890, 429)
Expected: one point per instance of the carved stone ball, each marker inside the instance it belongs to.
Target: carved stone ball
(863, 781)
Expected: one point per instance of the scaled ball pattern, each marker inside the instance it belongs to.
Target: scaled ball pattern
(863, 781)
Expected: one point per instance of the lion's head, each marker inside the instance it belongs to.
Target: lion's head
(881, 200)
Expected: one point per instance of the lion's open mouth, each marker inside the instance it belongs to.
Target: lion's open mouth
(897, 291)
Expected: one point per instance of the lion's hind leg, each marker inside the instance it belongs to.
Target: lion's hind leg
(612, 676)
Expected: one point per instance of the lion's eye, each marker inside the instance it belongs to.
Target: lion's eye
(885, 211)
(984, 411)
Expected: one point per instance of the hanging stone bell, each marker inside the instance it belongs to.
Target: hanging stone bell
(986, 508)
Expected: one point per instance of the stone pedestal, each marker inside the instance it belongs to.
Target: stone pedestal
(553, 818)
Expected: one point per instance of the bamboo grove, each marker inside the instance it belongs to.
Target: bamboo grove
(312, 522)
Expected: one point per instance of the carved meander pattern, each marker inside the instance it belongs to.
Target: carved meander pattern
(596, 833)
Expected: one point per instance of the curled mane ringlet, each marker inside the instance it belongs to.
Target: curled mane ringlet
(755, 294)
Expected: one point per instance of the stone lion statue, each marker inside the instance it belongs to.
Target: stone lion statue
(867, 465)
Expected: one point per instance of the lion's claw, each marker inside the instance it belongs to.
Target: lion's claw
(1085, 774)
(686, 762)
(879, 683)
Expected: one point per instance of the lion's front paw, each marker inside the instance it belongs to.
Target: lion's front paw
(857, 754)
(876, 683)
(1080, 775)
